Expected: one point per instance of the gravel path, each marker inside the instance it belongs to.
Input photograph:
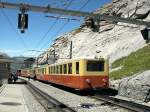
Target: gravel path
(76, 101)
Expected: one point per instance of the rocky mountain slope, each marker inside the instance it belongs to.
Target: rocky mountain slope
(112, 41)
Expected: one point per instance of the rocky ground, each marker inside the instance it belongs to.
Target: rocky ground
(136, 86)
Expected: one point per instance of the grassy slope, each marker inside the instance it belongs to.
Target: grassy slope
(136, 62)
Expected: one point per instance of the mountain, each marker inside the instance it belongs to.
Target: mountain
(18, 63)
(114, 39)
(4, 55)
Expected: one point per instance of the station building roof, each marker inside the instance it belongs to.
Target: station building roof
(4, 59)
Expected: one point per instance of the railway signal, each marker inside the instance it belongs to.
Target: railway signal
(22, 20)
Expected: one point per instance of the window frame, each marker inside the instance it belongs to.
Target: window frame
(77, 72)
(100, 67)
(60, 69)
(69, 68)
(64, 68)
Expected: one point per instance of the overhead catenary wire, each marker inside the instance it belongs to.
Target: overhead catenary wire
(70, 2)
(52, 26)
(84, 5)
(61, 28)
(12, 27)
(64, 18)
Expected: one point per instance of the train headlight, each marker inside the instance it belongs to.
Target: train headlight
(88, 81)
(104, 80)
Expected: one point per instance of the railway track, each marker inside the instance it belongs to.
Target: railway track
(49, 103)
(123, 103)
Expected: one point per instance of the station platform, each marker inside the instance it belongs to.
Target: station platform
(12, 99)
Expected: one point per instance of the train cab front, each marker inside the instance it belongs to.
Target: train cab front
(95, 74)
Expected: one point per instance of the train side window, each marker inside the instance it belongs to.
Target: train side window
(69, 68)
(65, 69)
(57, 70)
(40, 71)
(95, 65)
(52, 69)
(77, 67)
(60, 69)
(49, 70)
(43, 70)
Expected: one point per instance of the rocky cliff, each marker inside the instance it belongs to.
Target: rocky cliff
(113, 40)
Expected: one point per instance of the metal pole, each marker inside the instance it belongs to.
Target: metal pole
(47, 58)
(37, 62)
(71, 50)
(54, 55)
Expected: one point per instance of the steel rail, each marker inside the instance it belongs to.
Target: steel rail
(49, 102)
(130, 105)
(49, 9)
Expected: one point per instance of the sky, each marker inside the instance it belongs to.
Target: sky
(41, 30)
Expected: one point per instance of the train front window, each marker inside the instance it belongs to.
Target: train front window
(95, 66)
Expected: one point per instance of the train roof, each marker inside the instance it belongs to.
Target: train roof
(78, 59)
(66, 61)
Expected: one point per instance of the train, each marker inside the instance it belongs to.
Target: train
(79, 74)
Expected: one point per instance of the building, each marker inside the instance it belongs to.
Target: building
(28, 63)
(5, 66)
